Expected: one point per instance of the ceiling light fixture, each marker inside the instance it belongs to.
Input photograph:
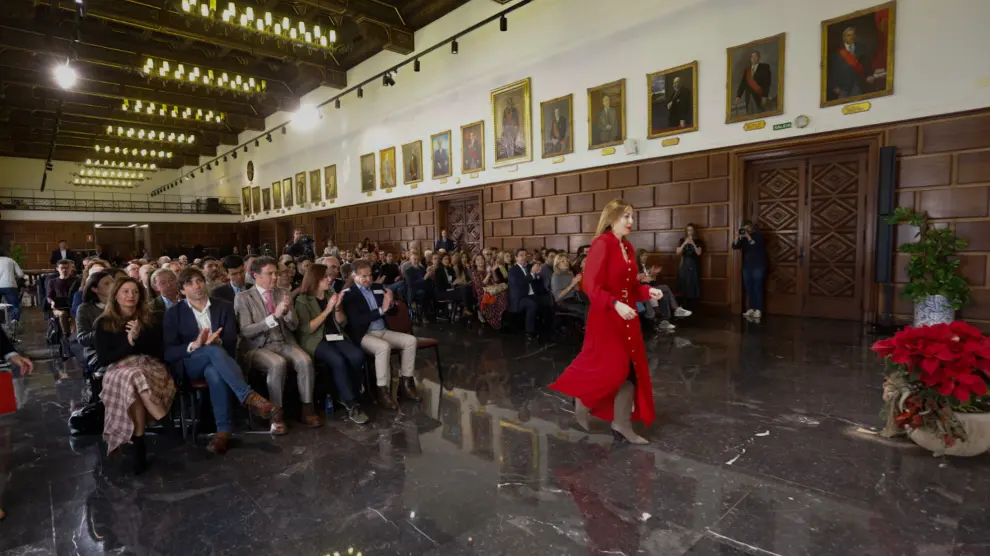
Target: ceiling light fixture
(336, 104)
(218, 79)
(257, 143)
(503, 24)
(172, 111)
(269, 137)
(65, 76)
(126, 151)
(234, 154)
(267, 24)
(416, 65)
(360, 92)
(387, 80)
(453, 47)
(150, 135)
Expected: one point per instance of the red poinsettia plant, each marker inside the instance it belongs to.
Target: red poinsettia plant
(933, 371)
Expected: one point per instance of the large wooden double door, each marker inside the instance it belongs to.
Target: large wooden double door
(462, 219)
(811, 211)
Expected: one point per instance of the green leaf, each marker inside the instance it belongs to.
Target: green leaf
(933, 268)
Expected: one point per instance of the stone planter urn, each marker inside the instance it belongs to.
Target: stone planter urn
(934, 309)
(977, 427)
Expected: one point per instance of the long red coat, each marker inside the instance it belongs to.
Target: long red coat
(610, 343)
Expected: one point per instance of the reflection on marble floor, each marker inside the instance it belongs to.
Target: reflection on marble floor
(762, 447)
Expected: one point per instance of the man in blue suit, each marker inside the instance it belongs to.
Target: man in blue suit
(526, 292)
(200, 336)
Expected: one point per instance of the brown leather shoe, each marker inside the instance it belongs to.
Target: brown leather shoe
(278, 422)
(407, 389)
(384, 399)
(309, 417)
(260, 406)
(219, 443)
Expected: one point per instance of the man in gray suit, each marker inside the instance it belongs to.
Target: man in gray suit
(267, 319)
(608, 122)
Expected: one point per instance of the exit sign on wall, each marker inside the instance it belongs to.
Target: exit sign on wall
(785, 125)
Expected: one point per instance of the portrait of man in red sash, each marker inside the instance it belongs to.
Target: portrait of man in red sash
(856, 56)
(755, 82)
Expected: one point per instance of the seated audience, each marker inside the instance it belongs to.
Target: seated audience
(668, 303)
(302, 264)
(164, 282)
(144, 276)
(416, 282)
(549, 264)
(248, 264)
(319, 335)
(283, 279)
(526, 292)
(564, 286)
(59, 297)
(95, 295)
(163, 260)
(365, 304)
(133, 269)
(184, 260)
(331, 250)
(136, 383)
(175, 266)
(236, 279)
(267, 320)
(491, 292)
(212, 272)
(448, 286)
(200, 344)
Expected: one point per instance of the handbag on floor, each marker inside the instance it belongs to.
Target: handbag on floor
(8, 402)
(87, 420)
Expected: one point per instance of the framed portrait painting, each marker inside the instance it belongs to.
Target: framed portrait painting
(246, 200)
(330, 182)
(513, 123)
(858, 55)
(607, 114)
(277, 195)
(301, 188)
(673, 101)
(256, 198)
(440, 147)
(266, 199)
(367, 172)
(556, 131)
(386, 159)
(287, 191)
(412, 162)
(473, 147)
(315, 186)
(755, 81)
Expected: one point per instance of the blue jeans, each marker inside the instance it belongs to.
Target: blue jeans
(346, 363)
(753, 282)
(221, 372)
(13, 297)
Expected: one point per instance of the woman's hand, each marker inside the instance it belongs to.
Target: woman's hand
(656, 294)
(577, 279)
(625, 311)
(133, 328)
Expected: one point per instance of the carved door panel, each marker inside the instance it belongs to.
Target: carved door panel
(463, 223)
(809, 210)
(777, 198)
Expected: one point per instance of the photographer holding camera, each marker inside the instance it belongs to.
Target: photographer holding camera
(299, 246)
(754, 252)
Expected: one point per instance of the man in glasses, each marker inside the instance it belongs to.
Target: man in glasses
(237, 279)
(337, 283)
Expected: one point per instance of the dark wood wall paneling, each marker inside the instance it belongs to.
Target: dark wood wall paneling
(394, 224)
(39, 239)
(176, 235)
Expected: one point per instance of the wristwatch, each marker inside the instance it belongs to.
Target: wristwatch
(615, 302)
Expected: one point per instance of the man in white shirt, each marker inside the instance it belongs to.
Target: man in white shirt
(527, 294)
(10, 271)
(200, 336)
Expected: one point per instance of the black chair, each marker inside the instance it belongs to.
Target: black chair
(193, 400)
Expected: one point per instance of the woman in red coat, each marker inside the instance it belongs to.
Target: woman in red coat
(610, 378)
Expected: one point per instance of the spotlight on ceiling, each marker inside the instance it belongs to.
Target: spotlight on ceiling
(234, 154)
(503, 24)
(225, 158)
(209, 166)
(65, 76)
(336, 104)
(245, 148)
(387, 80)
(416, 65)
(268, 138)
(257, 143)
(201, 170)
(360, 92)
(453, 47)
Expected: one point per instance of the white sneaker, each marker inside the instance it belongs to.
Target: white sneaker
(665, 325)
(748, 314)
(681, 312)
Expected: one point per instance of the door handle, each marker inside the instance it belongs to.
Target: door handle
(801, 257)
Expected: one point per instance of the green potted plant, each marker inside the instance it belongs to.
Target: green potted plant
(934, 283)
(17, 253)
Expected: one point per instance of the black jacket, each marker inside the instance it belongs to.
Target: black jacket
(181, 329)
(111, 347)
(226, 291)
(519, 284)
(359, 315)
(445, 244)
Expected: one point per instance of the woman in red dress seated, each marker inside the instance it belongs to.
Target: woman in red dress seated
(610, 378)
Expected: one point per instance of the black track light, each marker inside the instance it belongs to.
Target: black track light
(503, 24)
(453, 47)
(387, 80)
(245, 148)
(234, 154)
(360, 92)
(225, 158)
(201, 170)
(257, 143)
(336, 104)
(268, 138)
(284, 130)
(209, 166)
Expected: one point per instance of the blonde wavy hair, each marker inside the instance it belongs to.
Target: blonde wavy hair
(612, 212)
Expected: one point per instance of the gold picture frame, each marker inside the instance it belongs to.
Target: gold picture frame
(301, 188)
(368, 171)
(330, 182)
(547, 121)
(246, 200)
(412, 162)
(266, 198)
(752, 104)
(277, 195)
(256, 198)
(287, 192)
(667, 101)
(442, 155)
(473, 153)
(315, 187)
(608, 123)
(844, 76)
(509, 126)
(386, 168)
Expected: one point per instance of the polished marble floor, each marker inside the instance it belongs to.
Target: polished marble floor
(764, 446)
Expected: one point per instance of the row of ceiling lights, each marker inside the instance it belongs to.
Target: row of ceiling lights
(90, 181)
(294, 31)
(150, 135)
(179, 112)
(133, 151)
(121, 164)
(112, 174)
(233, 82)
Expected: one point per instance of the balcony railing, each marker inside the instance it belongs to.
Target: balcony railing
(27, 199)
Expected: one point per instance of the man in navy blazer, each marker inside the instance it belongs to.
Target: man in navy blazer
(200, 336)
(526, 292)
(444, 243)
